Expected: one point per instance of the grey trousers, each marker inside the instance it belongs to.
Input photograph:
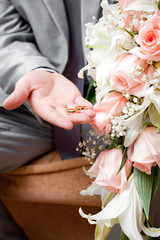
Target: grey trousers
(22, 139)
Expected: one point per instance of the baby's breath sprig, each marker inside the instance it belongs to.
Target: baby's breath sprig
(92, 146)
(117, 130)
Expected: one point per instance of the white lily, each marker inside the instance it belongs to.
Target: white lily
(142, 5)
(97, 34)
(134, 127)
(127, 209)
(102, 61)
(106, 7)
(103, 76)
(134, 123)
(101, 231)
(109, 8)
(154, 97)
(95, 189)
(154, 110)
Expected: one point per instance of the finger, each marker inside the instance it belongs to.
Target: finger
(18, 96)
(76, 117)
(79, 118)
(83, 107)
(89, 112)
(54, 117)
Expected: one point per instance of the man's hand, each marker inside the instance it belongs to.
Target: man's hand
(50, 94)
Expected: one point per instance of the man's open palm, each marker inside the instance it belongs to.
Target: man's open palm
(50, 94)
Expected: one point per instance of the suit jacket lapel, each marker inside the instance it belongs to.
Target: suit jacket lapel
(57, 12)
(56, 8)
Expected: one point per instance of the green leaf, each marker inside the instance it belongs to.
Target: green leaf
(146, 124)
(99, 47)
(157, 118)
(123, 236)
(111, 146)
(101, 232)
(115, 143)
(159, 5)
(130, 33)
(152, 238)
(124, 159)
(91, 84)
(144, 183)
(156, 181)
(91, 94)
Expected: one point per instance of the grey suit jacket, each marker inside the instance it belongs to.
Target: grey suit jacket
(35, 33)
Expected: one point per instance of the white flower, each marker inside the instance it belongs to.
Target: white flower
(134, 124)
(125, 208)
(91, 71)
(108, 9)
(103, 75)
(95, 189)
(154, 111)
(153, 96)
(97, 34)
(102, 60)
(142, 5)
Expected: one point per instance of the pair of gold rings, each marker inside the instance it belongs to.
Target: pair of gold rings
(77, 109)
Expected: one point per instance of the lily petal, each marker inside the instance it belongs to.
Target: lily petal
(114, 208)
(134, 124)
(131, 216)
(142, 5)
(154, 96)
(152, 232)
(94, 189)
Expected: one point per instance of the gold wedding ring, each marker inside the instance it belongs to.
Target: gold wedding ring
(76, 109)
(81, 107)
(71, 110)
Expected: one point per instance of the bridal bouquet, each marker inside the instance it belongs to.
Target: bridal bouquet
(124, 66)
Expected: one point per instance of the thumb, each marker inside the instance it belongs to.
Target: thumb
(19, 95)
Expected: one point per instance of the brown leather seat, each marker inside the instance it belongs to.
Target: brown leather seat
(44, 198)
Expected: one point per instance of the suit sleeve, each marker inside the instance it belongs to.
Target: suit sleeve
(18, 50)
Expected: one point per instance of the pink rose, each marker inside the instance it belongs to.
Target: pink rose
(149, 39)
(106, 168)
(125, 78)
(145, 151)
(111, 105)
